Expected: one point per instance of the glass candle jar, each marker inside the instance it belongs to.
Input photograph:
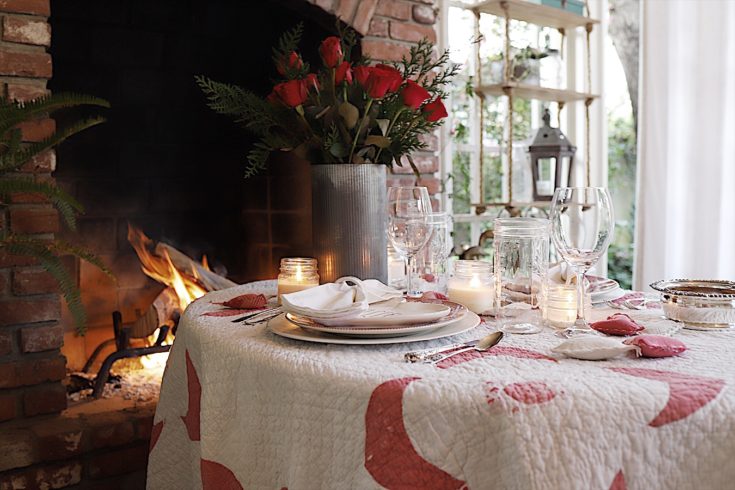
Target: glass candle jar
(521, 264)
(561, 305)
(472, 285)
(297, 274)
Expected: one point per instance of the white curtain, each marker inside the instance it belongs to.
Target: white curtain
(686, 141)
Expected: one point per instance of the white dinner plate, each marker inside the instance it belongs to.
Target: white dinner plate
(282, 327)
(456, 312)
(390, 313)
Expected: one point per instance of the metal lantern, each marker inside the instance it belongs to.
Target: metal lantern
(552, 156)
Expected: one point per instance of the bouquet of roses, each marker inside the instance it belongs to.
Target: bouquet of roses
(349, 111)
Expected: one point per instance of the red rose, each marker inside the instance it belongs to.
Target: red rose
(361, 73)
(273, 98)
(435, 110)
(383, 79)
(292, 62)
(414, 95)
(292, 93)
(331, 51)
(312, 82)
(343, 73)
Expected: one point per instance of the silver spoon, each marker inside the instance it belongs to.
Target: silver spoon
(484, 344)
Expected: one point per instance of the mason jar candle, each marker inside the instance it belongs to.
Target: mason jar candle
(472, 285)
(297, 274)
(561, 305)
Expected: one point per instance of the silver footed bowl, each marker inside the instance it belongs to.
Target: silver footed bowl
(700, 304)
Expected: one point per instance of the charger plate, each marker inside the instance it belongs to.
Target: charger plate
(282, 327)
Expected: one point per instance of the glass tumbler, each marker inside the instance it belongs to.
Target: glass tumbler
(430, 268)
(521, 264)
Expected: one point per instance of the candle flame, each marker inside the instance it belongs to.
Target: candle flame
(475, 281)
(299, 275)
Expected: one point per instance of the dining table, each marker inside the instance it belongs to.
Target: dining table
(243, 408)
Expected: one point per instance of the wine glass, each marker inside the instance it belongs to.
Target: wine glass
(408, 226)
(582, 225)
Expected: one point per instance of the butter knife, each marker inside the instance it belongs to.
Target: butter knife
(423, 355)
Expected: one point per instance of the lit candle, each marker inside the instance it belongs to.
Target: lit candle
(472, 286)
(561, 305)
(296, 275)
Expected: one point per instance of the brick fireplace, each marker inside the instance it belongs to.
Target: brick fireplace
(163, 162)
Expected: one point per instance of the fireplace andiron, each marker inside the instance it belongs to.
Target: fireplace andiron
(142, 328)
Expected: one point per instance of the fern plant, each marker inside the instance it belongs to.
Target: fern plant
(13, 155)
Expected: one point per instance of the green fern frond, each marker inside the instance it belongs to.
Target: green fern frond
(244, 106)
(17, 112)
(60, 247)
(27, 246)
(257, 159)
(288, 42)
(11, 161)
(68, 206)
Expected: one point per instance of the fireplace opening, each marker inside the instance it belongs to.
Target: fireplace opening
(164, 162)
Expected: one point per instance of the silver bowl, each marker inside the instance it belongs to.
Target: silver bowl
(699, 304)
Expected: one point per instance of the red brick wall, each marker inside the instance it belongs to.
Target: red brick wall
(31, 366)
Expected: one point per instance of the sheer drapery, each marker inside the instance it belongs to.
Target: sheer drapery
(686, 152)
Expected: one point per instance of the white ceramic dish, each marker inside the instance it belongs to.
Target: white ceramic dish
(456, 313)
(282, 327)
(391, 313)
(607, 295)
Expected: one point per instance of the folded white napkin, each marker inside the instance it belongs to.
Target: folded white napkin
(561, 273)
(339, 299)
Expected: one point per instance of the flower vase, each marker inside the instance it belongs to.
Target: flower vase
(349, 213)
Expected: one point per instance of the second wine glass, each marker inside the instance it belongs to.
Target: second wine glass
(408, 227)
(582, 224)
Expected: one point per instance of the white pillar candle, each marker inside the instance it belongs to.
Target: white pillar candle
(473, 293)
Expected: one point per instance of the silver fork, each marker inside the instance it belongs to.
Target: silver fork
(250, 316)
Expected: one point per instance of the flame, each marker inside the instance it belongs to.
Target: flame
(205, 263)
(163, 270)
(475, 281)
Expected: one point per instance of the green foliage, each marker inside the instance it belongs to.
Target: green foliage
(68, 206)
(13, 154)
(621, 181)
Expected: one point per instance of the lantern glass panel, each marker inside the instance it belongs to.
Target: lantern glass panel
(546, 176)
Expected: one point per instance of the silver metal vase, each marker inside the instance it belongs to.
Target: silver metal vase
(348, 221)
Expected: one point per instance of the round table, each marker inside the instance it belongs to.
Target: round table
(243, 408)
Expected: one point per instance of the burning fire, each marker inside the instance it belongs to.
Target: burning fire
(162, 269)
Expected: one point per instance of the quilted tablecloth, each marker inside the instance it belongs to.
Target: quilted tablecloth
(243, 408)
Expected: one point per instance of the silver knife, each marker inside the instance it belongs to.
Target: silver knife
(423, 355)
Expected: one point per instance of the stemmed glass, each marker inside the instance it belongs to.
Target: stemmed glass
(582, 225)
(408, 226)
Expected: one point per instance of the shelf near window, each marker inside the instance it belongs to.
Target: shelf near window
(542, 15)
(534, 92)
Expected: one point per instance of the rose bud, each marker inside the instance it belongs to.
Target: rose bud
(331, 51)
(312, 82)
(361, 74)
(343, 73)
(292, 62)
(414, 95)
(435, 110)
(292, 93)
